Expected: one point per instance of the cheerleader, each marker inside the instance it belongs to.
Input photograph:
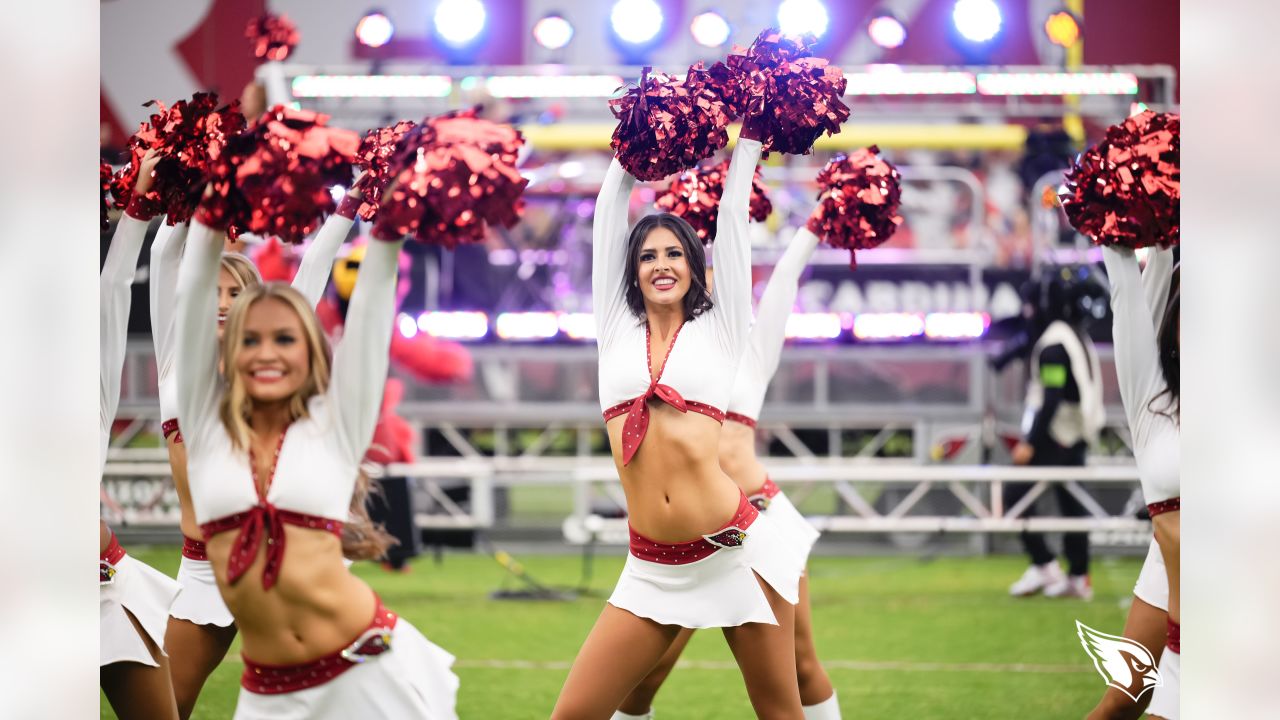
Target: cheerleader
(701, 555)
(200, 627)
(134, 598)
(1146, 357)
(738, 460)
(273, 455)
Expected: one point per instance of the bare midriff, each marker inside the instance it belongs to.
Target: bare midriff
(738, 457)
(675, 488)
(178, 467)
(1168, 532)
(317, 607)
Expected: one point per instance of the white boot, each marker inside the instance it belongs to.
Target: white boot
(619, 715)
(828, 709)
(1037, 578)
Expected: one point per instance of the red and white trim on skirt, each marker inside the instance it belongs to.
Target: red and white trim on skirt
(762, 497)
(1164, 506)
(1173, 637)
(109, 559)
(731, 535)
(740, 419)
(277, 679)
(194, 549)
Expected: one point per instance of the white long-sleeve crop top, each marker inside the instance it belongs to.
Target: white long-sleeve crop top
(320, 454)
(115, 295)
(764, 344)
(704, 355)
(166, 256)
(1137, 304)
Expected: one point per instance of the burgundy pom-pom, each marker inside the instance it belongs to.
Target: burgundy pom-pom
(452, 177)
(695, 196)
(104, 177)
(858, 201)
(374, 158)
(666, 125)
(787, 96)
(1126, 189)
(274, 178)
(186, 136)
(273, 37)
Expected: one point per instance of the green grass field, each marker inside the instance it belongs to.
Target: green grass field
(901, 638)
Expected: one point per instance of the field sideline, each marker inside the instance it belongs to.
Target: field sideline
(901, 638)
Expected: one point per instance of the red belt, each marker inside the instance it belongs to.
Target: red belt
(1173, 639)
(109, 559)
(732, 534)
(194, 549)
(170, 427)
(740, 419)
(762, 497)
(264, 519)
(277, 679)
(1164, 506)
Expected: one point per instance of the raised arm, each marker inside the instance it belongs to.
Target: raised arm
(195, 337)
(317, 263)
(360, 361)
(731, 291)
(769, 330)
(166, 256)
(1133, 336)
(115, 291)
(609, 249)
(1156, 279)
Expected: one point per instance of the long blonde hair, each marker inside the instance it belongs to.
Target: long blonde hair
(236, 407)
(242, 269)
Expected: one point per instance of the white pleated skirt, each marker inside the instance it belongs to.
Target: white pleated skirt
(138, 589)
(717, 591)
(1152, 586)
(411, 681)
(799, 531)
(200, 602)
(1165, 700)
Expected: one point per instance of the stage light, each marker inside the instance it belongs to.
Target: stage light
(1061, 83)
(578, 326)
(799, 17)
(553, 32)
(336, 192)
(408, 327)
(411, 86)
(887, 326)
(636, 22)
(374, 30)
(893, 80)
(710, 29)
(531, 86)
(527, 325)
(887, 31)
(956, 325)
(1062, 28)
(459, 22)
(455, 325)
(813, 326)
(977, 20)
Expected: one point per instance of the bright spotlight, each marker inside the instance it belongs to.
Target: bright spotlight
(887, 31)
(1062, 28)
(800, 17)
(374, 30)
(636, 21)
(553, 32)
(710, 29)
(459, 22)
(977, 20)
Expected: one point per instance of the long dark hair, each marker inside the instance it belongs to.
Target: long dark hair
(1167, 341)
(698, 299)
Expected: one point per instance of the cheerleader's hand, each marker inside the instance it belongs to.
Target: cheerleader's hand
(146, 172)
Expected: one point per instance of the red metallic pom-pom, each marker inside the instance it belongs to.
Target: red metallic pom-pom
(275, 177)
(273, 37)
(1126, 189)
(374, 158)
(787, 96)
(858, 201)
(186, 136)
(452, 177)
(104, 178)
(667, 125)
(695, 196)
